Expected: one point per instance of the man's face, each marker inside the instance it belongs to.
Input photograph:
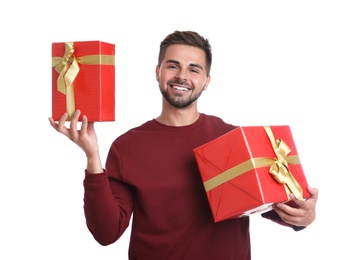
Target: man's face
(182, 75)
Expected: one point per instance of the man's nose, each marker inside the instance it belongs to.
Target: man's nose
(182, 75)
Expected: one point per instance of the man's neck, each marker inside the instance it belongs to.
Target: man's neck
(178, 117)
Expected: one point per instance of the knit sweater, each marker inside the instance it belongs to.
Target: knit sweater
(152, 176)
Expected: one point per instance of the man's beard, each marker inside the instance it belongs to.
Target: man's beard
(177, 100)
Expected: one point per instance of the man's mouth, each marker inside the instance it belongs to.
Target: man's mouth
(180, 88)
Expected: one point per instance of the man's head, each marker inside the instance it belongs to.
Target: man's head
(183, 70)
(187, 38)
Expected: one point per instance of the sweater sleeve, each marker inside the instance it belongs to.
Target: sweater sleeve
(107, 202)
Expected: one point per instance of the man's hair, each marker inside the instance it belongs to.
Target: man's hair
(187, 38)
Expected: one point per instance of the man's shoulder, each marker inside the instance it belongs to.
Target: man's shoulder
(217, 121)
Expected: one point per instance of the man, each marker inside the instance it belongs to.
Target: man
(151, 172)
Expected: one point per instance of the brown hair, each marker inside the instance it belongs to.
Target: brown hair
(187, 38)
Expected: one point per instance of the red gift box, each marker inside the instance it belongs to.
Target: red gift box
(248, 169)
(83, 77)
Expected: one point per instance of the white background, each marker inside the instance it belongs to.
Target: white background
(274, 62)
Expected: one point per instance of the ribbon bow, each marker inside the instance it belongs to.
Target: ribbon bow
(279, 168)
(68, 69)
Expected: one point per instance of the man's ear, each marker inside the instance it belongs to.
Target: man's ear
(157, 72)
(206, 83)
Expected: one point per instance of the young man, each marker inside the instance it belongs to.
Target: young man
(151, 172)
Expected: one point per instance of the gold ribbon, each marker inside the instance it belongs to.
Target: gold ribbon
(68, 69)
(278, 168)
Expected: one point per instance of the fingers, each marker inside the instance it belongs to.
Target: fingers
(302, 203)
(314, 192)
(60, 125)
(297, 202)
(71, 132)
(291, 208)
(286, 209)
(73, 125)
(291, 214)
(52, 122)
(84, 126)
(302, 213)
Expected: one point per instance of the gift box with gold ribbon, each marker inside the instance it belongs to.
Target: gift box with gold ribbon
(248, 169)
(83, 77)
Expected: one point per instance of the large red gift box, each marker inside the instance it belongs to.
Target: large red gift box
(83, 77)
(248, 169)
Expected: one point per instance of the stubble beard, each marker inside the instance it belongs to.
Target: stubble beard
(178, 100)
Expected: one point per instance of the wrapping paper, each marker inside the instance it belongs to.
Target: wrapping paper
(248, 169)
(83, 77)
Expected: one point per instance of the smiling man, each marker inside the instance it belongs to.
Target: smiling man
(151, 173)
(182, 79)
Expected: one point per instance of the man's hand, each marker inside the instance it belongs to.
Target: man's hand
(302, 213)
(85, 138)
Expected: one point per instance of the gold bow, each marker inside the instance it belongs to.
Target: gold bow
(68, 69)
(279, 168)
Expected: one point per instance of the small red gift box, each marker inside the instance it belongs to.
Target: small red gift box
(248, 169)
(83, 77)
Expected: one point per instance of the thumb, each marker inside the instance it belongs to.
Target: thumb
(313, 191)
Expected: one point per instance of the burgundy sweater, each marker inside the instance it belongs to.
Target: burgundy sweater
(151, 174)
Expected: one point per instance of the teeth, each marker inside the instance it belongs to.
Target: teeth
(180, 88)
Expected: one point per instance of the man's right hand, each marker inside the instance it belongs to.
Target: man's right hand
(85, 138)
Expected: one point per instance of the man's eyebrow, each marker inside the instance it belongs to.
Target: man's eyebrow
(196, 66)
(172, 61)
(191, 65)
